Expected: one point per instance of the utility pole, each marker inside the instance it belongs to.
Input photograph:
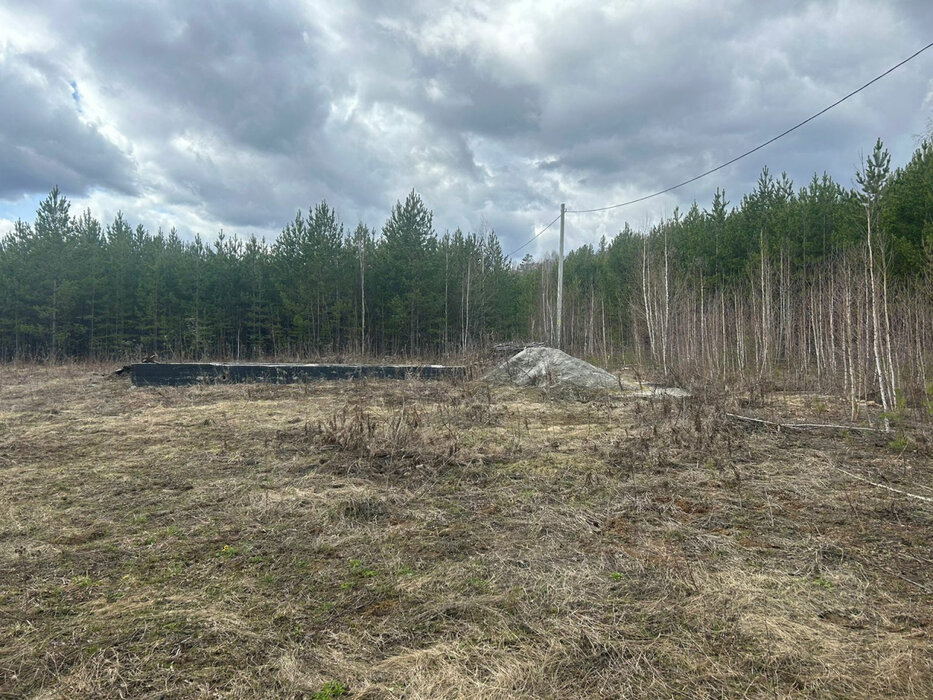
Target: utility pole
(363, 236)
(560, 280)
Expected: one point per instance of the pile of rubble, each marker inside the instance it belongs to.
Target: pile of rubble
(553, 369)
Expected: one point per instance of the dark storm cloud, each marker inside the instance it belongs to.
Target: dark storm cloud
(681, 91)
(246, 69)
(241, 78)
(456, 94)
(658, 104)
(237, 113)
(43, 141)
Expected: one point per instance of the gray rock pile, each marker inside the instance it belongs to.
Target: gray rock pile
(553, 369)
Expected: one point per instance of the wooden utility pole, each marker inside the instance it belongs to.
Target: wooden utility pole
(560, 278)
(363, 238)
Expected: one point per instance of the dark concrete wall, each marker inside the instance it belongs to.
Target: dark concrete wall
(183, 373)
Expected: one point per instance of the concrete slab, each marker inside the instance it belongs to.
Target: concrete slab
(186, 373)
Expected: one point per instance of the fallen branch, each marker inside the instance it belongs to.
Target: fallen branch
(880, 486)
(802, 426)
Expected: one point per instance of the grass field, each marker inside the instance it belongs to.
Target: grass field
(435, 540)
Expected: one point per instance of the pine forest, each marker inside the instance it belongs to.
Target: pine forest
(819, 284)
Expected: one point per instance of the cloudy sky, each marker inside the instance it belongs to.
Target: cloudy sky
(232, 114)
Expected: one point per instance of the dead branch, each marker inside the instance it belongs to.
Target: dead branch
(880, 486)
(802, 426)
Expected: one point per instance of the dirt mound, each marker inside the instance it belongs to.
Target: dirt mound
(553, 369)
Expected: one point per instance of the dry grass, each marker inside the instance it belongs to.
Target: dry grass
(413, 540)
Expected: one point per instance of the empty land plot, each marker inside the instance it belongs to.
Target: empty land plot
(406, 539)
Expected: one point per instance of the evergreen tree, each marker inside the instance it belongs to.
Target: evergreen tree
(53, 242)
(408, 279)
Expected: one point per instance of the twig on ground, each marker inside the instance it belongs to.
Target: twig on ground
(880, 486)
(802, 426)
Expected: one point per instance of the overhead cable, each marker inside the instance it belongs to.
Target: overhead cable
(756, 148)
(534, 238)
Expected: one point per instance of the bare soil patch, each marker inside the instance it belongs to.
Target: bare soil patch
(387, 539)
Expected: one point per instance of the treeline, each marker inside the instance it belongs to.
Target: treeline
(70, 287)
(820, 280)
(791, 285)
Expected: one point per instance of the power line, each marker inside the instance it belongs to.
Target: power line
(534, 238)
(733, 160)
(756, 148)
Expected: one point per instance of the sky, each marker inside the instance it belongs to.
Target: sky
(234, 114)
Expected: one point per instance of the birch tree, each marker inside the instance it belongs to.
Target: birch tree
(872, 179)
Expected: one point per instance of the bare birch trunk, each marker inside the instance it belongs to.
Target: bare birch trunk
(876, 328)
(665, 340)
(645, 285)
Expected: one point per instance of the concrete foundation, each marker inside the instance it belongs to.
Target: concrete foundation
(185, 373)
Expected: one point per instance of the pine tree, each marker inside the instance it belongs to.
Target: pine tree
(408, 278)
(54, 248)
